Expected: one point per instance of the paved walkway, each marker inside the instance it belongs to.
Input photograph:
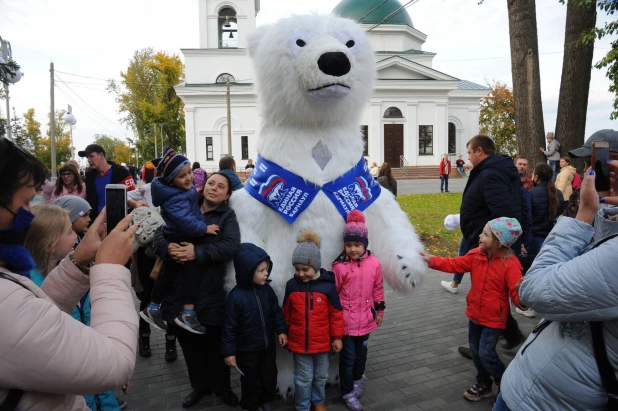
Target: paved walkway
(413, 362)
(455, 185)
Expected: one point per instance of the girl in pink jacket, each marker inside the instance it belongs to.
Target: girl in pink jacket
(358, 279)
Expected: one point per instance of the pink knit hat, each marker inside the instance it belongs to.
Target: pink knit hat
(355, 229)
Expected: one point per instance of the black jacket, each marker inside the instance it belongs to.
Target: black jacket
(252, 312)
(120, 175)
(213, 253)
(541, 224)
(492, 191)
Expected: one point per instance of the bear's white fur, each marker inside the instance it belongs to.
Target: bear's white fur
(295, 120)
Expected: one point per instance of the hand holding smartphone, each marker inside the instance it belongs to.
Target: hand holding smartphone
(115, 204)
(600, 156)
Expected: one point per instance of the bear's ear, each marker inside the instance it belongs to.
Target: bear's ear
(254, 39)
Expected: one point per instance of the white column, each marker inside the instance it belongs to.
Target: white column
(473, 114)
(203, 13)
(190, 135)
(376, 134)
(410, 144)
(440, 138)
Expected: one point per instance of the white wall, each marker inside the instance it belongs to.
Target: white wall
(204, 66)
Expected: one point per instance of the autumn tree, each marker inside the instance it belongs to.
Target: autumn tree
(497, 118)
(115, 150)
(32, 129)
(63, 141)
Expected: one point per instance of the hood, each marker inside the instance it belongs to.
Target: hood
(161, 191)
(570, 169)
(232, 175)
(605, 223)
(504, 164)
(246, 261)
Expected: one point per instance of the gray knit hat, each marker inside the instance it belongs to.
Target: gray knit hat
(308, 250)
(75, 206)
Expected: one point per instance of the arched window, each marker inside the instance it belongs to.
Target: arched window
(452, 138)
(393, 112)
(228, 29)
(223, 78)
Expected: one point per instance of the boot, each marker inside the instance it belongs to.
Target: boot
(170, 348)
(144, 345)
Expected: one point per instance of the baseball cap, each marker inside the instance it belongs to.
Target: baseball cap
(611, 136)
(92, 148)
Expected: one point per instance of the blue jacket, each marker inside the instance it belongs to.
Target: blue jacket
(252, 313)
(236, 184)
(541, 224)
(179, 208)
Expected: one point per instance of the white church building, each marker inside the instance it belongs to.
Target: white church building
(415, 115)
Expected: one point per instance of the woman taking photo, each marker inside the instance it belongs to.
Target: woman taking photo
(68, 183)
(207, 370)
(48, 359)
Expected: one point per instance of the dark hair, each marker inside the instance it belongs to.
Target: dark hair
(544, 173)
(195, 166)
(226, 163)
(484, 142)
(15, 166)
(521, 157)
(566, 159)
(76, 179)
(230, 189)
(386, 171)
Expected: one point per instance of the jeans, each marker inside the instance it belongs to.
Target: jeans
(554, 166)
(352, 361)
(310, 375)
(463, 250)
(460, 170)
(483, 341)
(443, 182)
(500, 405)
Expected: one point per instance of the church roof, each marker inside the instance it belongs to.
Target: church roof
(468, 85)
(361, 11)
(410, 51)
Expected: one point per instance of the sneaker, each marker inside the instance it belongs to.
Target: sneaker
(448, 287)
(476, 392)
(190, 323)
(352, 402)
(122, 404)
(465, 352)
(154, 318)
(358, 388)
(528, 313)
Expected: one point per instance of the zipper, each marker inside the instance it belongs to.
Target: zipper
(311, 300)
(307, 320)
(537, 331)
(261, 317)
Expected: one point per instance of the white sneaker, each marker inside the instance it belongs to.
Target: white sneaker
(529, 313)
(448, 287)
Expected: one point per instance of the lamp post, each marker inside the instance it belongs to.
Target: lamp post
(71, 121)
(7, 56)
(161, 136)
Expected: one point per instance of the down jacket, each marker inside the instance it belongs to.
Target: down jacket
(541, 223)
(361, 292)
(564, 181)
(57, 368)
(179, 209)
(252, 312)
(313, 314)
(556, 369)
(492, 191)
(493, 281)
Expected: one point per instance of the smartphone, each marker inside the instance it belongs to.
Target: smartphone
(600, 155)
(115, 204)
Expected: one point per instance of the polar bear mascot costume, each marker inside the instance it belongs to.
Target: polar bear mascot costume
(315, 75)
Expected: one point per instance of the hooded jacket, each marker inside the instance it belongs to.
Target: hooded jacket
(179, 208)
(565, 179)
(236, 184)
(252, 312)
(120, 175)
(199, 178)
(493, 190)
(313, 313)
(539, 199)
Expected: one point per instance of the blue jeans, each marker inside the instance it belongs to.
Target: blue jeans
(443, 182)
(500, 405)
(310, 375)
(463, 250)
(483, 341)
(352, 361)
(554, 166)
(460, 170)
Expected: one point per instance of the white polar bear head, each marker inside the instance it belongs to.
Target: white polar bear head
(313, 69)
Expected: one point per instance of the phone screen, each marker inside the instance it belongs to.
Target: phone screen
(601, 169)
(116, 206)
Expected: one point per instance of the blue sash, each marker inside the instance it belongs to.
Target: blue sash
(289, 194)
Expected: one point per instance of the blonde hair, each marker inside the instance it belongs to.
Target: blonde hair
(45, 231)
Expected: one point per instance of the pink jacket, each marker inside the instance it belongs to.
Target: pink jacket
(54, 358)
(359, 284)
(66, 192)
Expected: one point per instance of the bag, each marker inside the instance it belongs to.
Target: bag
(577, 181)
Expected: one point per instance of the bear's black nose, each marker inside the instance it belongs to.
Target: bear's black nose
(334, 64)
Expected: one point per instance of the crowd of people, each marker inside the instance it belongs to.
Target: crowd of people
(56, 258)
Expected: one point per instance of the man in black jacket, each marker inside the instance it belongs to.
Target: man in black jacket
(101, 173)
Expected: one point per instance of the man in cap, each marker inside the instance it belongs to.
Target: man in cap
(102, 173)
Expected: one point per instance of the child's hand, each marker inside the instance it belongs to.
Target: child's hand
(230, 361)
(283, 340)
(426, 257)
(521, 280)
(213, 229)
(337, 345)
(379, 320)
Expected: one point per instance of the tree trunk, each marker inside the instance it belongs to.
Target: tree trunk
(575, 82)
(529, 126)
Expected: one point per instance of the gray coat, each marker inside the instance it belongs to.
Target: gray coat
(555, 369)
(553, 150)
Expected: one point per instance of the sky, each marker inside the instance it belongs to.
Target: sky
(96, 40)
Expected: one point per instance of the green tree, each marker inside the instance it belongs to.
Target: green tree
(32, 130)
(497, 118)
(62, 137)
(115, 150)
(17, 132)
(122, 154)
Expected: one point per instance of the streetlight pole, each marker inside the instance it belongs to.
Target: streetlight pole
(52, 121)
(161, 136)
(7, 55)
(155, 134)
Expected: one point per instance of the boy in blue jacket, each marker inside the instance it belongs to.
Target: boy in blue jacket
(252, 318)
(173, 191)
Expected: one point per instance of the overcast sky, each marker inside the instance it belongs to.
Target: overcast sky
(97, 39)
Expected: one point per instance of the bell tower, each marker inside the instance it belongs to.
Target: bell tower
(224, 24)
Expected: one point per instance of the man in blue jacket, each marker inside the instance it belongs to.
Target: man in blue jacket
(227, 166)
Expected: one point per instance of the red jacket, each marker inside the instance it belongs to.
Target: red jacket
(492, 282)
(444, 166)
(313, 314)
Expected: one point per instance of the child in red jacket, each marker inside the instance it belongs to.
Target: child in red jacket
(495, 273)
(313, 314)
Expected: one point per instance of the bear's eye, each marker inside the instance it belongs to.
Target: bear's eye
(350, 44)
(300, 43)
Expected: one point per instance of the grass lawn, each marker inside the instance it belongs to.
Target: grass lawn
(427, 213)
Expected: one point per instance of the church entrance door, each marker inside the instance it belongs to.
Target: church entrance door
(393, 144)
